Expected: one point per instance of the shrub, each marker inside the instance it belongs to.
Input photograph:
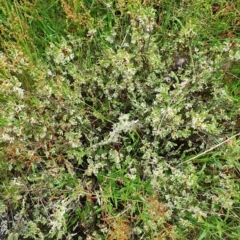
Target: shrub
(98, 133)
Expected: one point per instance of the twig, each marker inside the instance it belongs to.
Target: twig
(210, 149)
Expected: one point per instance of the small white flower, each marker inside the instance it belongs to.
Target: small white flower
(109, 39)
(49, 72)
(19, 108)
(7, 137)
(19, 91)
(91, 33)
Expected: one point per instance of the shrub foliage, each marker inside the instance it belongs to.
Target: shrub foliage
(98, 131)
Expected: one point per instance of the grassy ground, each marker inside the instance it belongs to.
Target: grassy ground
(119, 119)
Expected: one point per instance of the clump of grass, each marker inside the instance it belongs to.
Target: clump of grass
(118, 128)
